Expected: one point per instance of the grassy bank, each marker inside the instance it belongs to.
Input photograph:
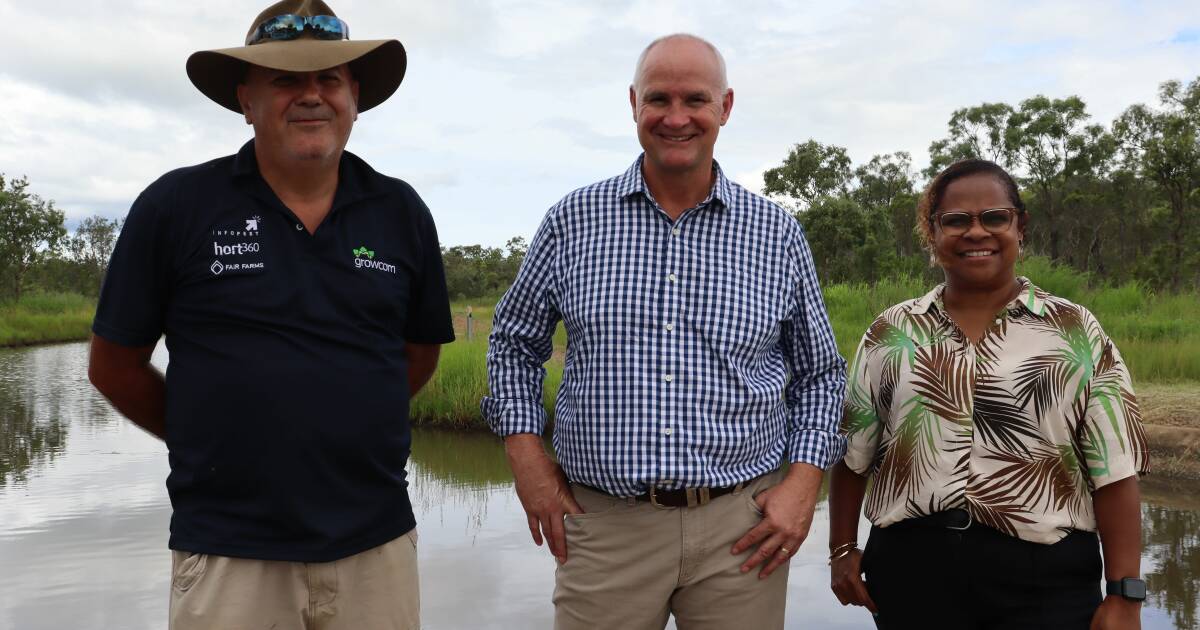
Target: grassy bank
(1157, 334)
(46, 318)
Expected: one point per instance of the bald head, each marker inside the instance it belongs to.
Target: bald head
(664, 45)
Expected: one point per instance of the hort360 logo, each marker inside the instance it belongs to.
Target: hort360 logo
(365, 258)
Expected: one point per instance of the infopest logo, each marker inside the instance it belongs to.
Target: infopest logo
(365, 258)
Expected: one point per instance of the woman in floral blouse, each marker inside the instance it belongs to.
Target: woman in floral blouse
(1000, 428)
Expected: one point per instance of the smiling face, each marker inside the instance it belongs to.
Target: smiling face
(679, 104)
(977, 259)
(299, 116)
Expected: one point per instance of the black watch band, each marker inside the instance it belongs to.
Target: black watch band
(1133, 589)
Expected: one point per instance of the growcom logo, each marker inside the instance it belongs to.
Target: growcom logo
(365, 258)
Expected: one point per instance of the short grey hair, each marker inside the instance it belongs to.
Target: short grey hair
(641, 62)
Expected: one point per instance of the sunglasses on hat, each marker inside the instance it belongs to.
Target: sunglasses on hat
(292, 26)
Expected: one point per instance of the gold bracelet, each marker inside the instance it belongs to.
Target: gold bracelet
(842, 551)
(851, 545)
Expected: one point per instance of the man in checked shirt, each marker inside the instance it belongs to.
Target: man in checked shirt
(699, 358)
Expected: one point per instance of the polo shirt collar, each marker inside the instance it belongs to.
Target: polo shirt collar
(1029, 297)
(356, 179)
(633, 182)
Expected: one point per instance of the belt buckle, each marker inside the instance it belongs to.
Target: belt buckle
(653, 498)
(970, 521)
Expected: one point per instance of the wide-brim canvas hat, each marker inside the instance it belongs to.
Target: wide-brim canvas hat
(378, 65)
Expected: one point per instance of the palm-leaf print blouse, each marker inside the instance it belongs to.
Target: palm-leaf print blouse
(1018, 429)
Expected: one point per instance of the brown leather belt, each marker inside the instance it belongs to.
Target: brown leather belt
(681, 497)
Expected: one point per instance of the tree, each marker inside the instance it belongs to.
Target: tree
(29, 227)
(809, 172)
(885, 189)
(841, 238)
(1164, 147)
(975, 132)
(1049, 141)
(91, 247)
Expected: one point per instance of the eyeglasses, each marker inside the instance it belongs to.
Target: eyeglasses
(957, 222)
(292, 26)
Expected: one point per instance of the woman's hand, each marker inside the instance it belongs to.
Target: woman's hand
(845, 578)
(1117, 613)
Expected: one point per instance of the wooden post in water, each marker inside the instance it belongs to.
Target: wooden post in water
(470, 325)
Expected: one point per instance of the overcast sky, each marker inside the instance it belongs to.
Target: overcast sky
(509, 105)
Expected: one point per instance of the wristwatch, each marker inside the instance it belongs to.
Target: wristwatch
(1133, 589)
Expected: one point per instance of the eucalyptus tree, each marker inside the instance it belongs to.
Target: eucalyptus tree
(90, 248)
(1163, 146)
(884, 186)
(809, 172)
(975, 132)
(29, 227)
(1055, 150)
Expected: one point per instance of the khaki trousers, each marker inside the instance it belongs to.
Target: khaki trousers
(630, 565)
(375, 589)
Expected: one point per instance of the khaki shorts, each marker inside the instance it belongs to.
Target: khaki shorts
(375, 589)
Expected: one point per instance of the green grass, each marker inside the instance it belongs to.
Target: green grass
(1157, 334)
(451, 398)
(46, 318)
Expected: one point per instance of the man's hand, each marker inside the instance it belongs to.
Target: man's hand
(1117, 613)
(543, 490)
(787, 515)
(845, 578)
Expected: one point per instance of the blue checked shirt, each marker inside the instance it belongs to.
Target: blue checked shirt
(699, 352)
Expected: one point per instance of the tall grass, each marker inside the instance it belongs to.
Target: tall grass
(45, 318)
(451, 398)
(1158, 334)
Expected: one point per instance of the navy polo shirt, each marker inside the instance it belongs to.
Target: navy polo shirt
(287, 388)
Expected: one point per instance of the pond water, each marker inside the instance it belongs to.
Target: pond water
(84, 514)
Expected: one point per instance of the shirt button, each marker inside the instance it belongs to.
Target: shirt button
(670, 327)
(667, 431)
(668, 378)
(674, 231)
(299, 227)
(671, 277)
(999, 321)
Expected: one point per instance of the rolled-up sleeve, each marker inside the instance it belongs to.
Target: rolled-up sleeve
(1113, 440)
(817, 381)
(522, 340)
(860, 419)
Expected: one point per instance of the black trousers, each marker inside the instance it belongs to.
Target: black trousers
(934, 578)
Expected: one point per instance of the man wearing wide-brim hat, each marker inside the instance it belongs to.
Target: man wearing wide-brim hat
(303, 301)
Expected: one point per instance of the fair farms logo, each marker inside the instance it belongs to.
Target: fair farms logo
(364, 257)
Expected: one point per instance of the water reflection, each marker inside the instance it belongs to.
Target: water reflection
(85, 519)
(1171, 556)
(452, 471)
(27, 439)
